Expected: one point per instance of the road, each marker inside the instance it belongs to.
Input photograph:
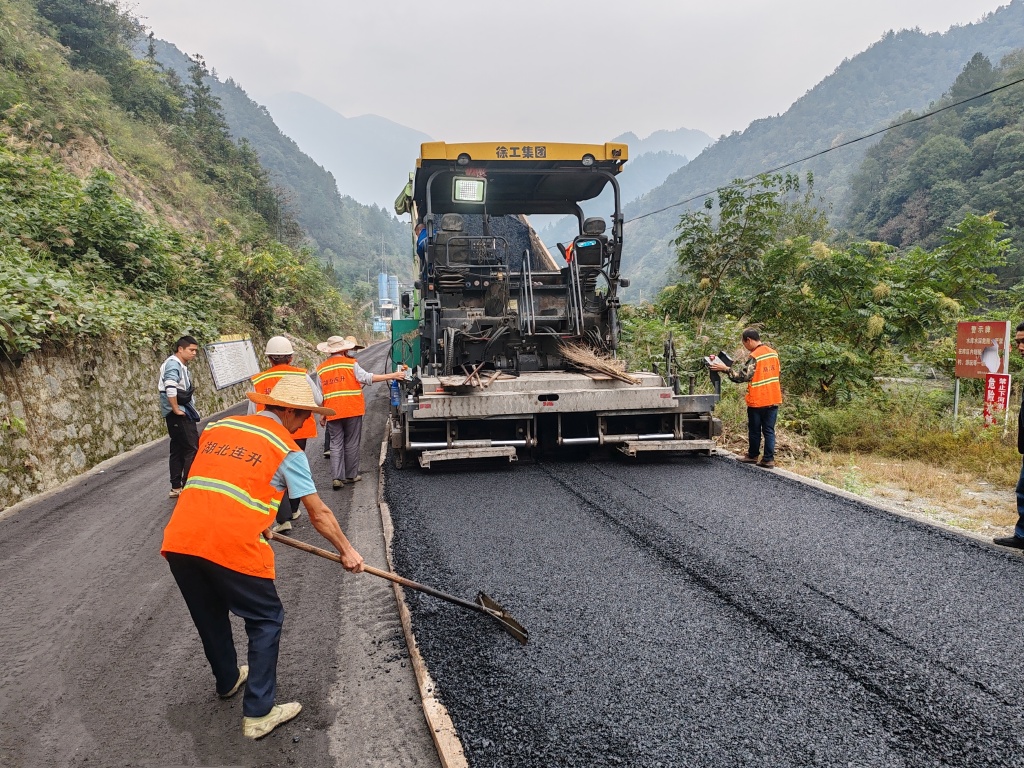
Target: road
(701, 612)
(104, 668)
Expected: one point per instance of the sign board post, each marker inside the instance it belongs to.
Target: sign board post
(982, 349)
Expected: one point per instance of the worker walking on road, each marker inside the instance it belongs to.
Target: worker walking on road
(217, 553)
(764, 395)
(1017, 539)
(341, 381)
(280, 352)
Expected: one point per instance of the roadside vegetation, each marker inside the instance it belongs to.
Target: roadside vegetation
(127, 212)
(866, 324)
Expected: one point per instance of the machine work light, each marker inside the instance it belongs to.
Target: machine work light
(468, 190)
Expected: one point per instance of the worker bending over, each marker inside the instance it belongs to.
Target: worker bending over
(218, 556)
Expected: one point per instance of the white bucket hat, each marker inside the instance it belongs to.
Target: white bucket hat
(291, 392)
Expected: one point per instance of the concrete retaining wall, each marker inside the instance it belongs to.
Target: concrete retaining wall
(64, 411)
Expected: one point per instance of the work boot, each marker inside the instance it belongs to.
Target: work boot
(355, 479)
(1016, 542)
(337, 484)
(281, 527)
(258, 727)
(243, 675)
(766, 464)
(296, 514)
(747, 459)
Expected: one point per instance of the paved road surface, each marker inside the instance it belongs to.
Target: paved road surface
(707, 613)
(103, 666)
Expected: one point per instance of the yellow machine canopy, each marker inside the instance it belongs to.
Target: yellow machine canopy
(517, 178)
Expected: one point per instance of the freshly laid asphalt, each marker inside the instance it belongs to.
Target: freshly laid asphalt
(700, 612)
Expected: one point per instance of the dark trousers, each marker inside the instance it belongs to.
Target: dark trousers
(1018, 530)
(346, 435)
(184, 436)
(761, 421)
(210, 592)
(288, 506)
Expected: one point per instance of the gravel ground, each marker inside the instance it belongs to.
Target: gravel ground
(672, 623)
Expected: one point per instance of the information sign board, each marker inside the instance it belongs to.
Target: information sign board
(997, 396)
(231, 362)
(379, 326)
(981, 348)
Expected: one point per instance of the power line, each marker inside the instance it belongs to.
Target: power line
(830, 149)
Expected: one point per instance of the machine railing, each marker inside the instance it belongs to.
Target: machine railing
(574, 301)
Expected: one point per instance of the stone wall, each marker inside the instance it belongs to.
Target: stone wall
(64, 411)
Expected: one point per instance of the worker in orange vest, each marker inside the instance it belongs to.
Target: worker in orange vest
(341, 381)
(764, 395)
(218, 555)
(280, 352)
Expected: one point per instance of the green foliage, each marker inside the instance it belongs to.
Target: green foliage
(922, 178)
(79, 259)
(838, 315)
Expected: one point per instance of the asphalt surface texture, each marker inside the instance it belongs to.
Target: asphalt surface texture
(103, 666)
(700, 612)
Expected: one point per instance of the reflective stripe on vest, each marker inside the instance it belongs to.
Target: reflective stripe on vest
(342, 390)
(267, 380)
(764, 389)
(228, 500)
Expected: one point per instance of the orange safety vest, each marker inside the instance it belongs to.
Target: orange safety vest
(764, 389)
(228, 500)
(342, 390)
(264, 382)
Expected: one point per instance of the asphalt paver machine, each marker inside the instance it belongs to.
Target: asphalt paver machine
(494, 314)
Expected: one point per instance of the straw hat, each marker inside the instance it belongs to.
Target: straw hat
(337, 344)
(355, 343)
(291, 392)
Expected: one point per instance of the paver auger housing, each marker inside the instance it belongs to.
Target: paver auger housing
(494, 310)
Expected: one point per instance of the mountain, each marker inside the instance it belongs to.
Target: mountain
(903, 71)
(349, 236)
(926, 176)
(370, 156)
(687, 142)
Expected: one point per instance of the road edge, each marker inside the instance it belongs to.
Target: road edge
(917, 517)
(442, 729)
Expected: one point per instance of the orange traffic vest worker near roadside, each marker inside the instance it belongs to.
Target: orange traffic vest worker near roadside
(280, 352)
(764, 395)
(341, 381)
(217, 553)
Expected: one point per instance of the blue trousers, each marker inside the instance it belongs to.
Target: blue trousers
(1018, 530)
(761, 421)
(210, 592)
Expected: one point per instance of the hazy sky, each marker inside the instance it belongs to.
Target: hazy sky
(584, 70)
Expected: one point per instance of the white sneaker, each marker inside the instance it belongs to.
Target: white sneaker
(243, 675)
(258, 727)
(296, 514)
(278, 527)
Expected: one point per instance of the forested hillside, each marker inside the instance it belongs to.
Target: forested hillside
(347, 235)
(926, 176)
(370, 155)
(126, 210)
(904, 70)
